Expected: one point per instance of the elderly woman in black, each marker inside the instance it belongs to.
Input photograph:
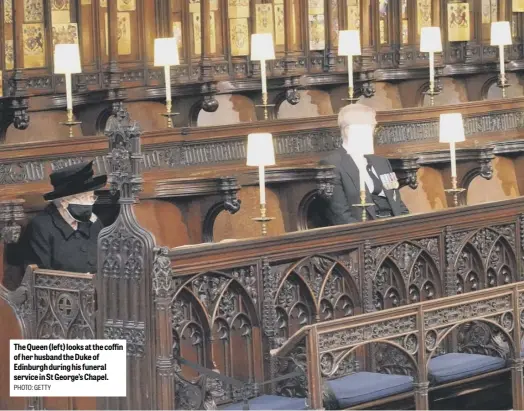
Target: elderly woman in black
(64, 236)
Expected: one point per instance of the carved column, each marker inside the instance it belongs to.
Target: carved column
(18, 82)
(165, 363)
(125, 266)
(367, 279)
(290, 61)
(450, 287)
(269, 313)
(114, 71)
(206, 68)
(366, 32)
(330, 61)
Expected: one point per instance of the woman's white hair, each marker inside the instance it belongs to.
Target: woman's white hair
(356, 114)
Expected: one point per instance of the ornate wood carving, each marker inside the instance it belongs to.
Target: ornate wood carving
(125, 261)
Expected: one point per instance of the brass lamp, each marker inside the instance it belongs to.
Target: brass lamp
(451, 131)
(67, 62)
(431, 42)
(501, 36)
(260, 153)
(166, 55)
(349, 45)
(263, 49)
(365, 147)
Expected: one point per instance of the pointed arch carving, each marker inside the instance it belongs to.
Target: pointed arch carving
(404, 273)
(316, 288)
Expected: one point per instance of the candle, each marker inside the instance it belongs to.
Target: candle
(263, 73)
(69, 92)
(431, 70)
(262, 184)
(453, 159)
(167, 76)
(362, 177)
(350, 71)
(501, 56)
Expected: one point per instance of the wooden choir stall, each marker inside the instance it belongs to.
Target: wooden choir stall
(416, 311)
(421, 311)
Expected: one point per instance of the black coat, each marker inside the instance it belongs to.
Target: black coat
(51, 243)
(346, 190)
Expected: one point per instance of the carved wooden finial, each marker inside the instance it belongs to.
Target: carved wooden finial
(124, 157)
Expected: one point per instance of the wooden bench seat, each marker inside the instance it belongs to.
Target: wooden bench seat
(270, 402)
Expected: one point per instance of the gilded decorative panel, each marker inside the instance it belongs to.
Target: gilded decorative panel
(238, 9)
(353, 14)
(212, 33)
(518, 6)
(8, 11)
(239, 37)
(34, 51)
(335, 26)
(280, 31)
(65, 34)
(458, 22)
(60, 11)
(124, 33)
(423, 14)
(177, 33)
(103, 3)
(264, 18)
(33, 11)
(317, 35)
(383, 21)
(489, 11)
(9, 55)
(197, 32)
(194, 6)
(126, 5)
(316, 7)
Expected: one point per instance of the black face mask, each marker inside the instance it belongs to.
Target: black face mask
(80, 212)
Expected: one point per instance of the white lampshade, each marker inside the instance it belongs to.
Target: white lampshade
(166, 52)
(430, 40)
(451, 128)
(363, 138)
(260, 151)
(349, 43)
(262, 47)
(67, 59)
(500, 33)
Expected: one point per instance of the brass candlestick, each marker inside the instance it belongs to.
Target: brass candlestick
(455, 191)
(351, 96)
(363, 204)
(502, 84)
(263, 219)
(432, 93)
(265, 106)
(70, 122)
(169, 114)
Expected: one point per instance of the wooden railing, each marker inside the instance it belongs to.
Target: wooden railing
(416, 331)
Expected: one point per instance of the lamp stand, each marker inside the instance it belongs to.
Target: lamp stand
(70, 122)
(351, 96)
(263, 219)
(502, 84)
(454, 191)
(432, 93)
(363, 204)
(169, 114)
(265, 105)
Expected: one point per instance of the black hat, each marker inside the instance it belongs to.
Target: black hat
(74, 179)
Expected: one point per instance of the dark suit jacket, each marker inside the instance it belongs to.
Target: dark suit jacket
(51, 243)
(346, 190)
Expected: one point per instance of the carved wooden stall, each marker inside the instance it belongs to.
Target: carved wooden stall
(226, 306)
(216, 74)
(194, 163)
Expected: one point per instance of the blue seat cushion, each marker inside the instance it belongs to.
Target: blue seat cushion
(456, 366)
(368, 386)
(270, 402)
